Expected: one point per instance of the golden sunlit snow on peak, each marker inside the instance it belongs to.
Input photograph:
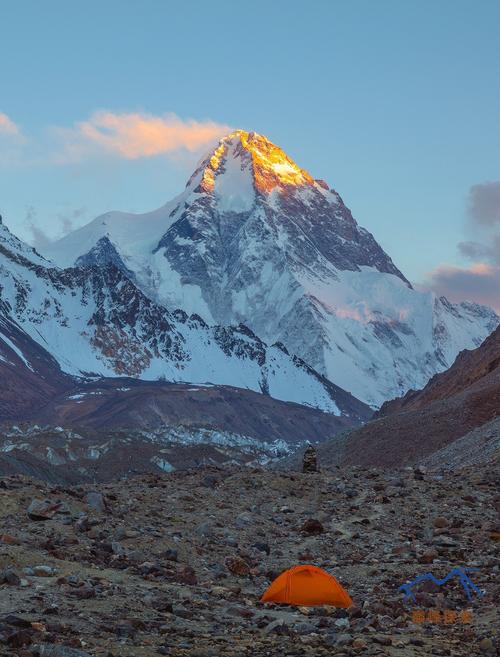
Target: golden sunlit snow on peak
(271, 166)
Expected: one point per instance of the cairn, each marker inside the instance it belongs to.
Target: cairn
(310, 461)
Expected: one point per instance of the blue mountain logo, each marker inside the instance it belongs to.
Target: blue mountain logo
(468, 585)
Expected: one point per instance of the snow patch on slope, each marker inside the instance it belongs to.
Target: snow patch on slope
(234, 190)
(17, 351)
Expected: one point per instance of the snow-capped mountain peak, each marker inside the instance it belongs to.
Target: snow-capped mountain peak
(268, 165)
(254, 239)
(17, 250)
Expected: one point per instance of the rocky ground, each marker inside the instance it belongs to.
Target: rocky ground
(175, 564)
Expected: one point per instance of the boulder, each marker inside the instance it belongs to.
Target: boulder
(42, 509)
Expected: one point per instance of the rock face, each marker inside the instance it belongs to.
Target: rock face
(94, 321)
(453, 421)
(254, 239)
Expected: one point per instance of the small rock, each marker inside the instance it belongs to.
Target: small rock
(9, 577)
(419, 472)
(339, 639)
(277, 627)
(16, 621)
(187, 576)
(209, 481)
(56, 650)
(9, 540)
(96, 501)
(159, 602)
(304, 628)
(440, 522)
(243, 520)
(428, 556)
(123, 534)
(42, 509)
(205, 530)
(238, 566)
(20, 638)
(351, 493)
(118, 549)
(85, 592)
(170, 554)
(342, 623)
(312, 526)
(43, 571)
(83, 524)
(486, 645)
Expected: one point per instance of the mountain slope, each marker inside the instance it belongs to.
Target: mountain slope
(95, 322)
(453, 417)
(29, 376)
(122, 403)
(254, 239)
(115, 427)
(469, 368)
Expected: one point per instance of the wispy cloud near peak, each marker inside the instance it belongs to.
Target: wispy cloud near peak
(479, 281)
(8, 127)
(135, 135)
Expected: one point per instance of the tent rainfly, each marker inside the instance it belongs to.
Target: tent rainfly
(307, 586)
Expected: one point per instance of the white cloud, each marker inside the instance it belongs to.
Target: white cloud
(8, 127)
(134, 135)
(480, 282)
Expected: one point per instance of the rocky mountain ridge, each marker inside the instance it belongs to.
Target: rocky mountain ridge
(453, 422)
(93, 321)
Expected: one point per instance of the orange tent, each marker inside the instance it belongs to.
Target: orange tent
(308, 586)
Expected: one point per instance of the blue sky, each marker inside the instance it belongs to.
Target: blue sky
(395, 103)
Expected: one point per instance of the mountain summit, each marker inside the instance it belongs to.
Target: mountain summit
(247, 173)
(255, 239)
(270, 166)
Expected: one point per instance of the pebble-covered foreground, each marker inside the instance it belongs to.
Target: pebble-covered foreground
(176, 564)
